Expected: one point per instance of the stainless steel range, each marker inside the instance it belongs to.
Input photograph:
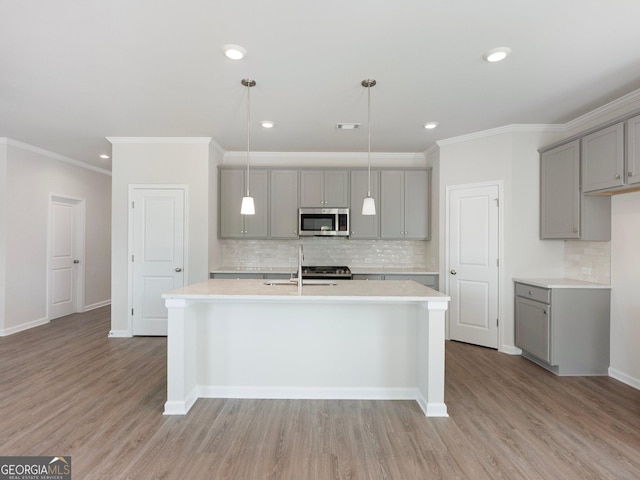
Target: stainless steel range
(326, 271)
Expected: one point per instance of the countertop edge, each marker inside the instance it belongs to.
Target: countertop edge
(560, 283)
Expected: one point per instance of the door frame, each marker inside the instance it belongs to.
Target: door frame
(80, 211)
(501, 265)
(133, 187)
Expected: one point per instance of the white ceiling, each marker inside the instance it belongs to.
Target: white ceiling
(75, 72)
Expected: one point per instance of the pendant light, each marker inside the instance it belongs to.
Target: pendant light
(369, 204)
(248, 207)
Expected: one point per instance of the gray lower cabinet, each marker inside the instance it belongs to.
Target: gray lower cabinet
(284, 204)
(565, 212)
(237, 276)
(231, 188)
(364, 226)
(404, 204)
(565, 330)
(428, 280)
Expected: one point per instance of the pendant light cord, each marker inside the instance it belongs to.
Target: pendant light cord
(369, 135)
(248, 130)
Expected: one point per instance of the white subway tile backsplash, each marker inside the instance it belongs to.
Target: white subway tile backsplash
(588, 261)
(326, 251)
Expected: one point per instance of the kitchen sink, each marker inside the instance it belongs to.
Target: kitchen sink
(304, 282)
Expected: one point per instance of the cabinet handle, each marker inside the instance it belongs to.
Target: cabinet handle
(530, 292)
(618, 176)
(575, 230)
(629, 174)
(544, 311)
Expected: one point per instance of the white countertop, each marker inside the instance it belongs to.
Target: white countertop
(560, 283)
(343, 290)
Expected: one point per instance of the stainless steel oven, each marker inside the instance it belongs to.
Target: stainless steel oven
(323, 222)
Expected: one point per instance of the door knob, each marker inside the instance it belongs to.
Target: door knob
(178, 269)
(453, 272)
(76, 261)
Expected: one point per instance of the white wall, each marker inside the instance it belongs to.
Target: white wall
(3, 229)
(625, 298)
(180, 161)
(32, 175)
(216, 155)
(510, 158)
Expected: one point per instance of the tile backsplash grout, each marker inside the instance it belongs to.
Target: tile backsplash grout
(588, 261)
(326, 251)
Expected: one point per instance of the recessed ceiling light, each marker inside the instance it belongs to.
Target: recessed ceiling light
(347, 126)
(267, 124)
(104, 156)
(497, 54)
(234, 52)
(430, 125)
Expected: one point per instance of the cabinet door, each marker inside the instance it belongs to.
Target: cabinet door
(311, 188)
(533, 328)
(416, 205)
(392, 204)
(603, 159)
(336, 188)
(231, 188)
(364, 226)
(284, 204)
(256, 226)
(633, 151)
(430, 281)
(560, 192)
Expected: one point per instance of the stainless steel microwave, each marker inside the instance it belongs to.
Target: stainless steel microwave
(323, 222)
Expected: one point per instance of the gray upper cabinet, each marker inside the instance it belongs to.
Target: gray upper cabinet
(404, 204)
(633, 151)
(284, 204)
(324, 188)
(565, 212)
(364, 226)
(603, 159)
(232, 188)
(560, 192)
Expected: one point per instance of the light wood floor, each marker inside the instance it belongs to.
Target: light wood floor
(67, 389)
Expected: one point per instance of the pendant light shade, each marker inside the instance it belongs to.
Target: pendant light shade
(369, 204)
(248, 207)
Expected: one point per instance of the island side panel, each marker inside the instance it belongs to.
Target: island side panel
(307, 349)
(431, 333)
(181, 356)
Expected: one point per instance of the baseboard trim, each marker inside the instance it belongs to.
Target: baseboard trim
(624, 378)
(307, 393)
(510, 350)
(180, 408)
(431, 409)
(120, 334)
(93, 306)
(24, 326)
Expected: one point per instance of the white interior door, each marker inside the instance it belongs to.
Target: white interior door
(158, 255)
(65, 252)
(473, 237)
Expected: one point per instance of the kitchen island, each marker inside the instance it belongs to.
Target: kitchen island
(347, 340)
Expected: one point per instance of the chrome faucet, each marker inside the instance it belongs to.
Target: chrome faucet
(300, 258)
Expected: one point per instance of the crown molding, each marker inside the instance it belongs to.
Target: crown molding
(54, 156)
(611, 108)
(325, 155)
(515, 128)
(177, 140)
